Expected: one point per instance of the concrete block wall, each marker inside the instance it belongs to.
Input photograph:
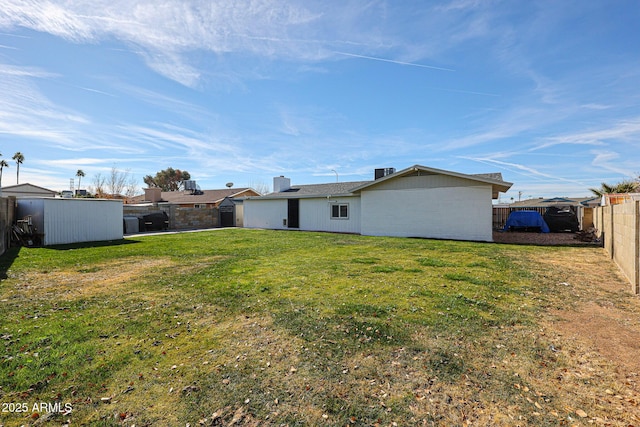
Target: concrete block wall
(619, 227)
(194, 218)
(179, 218)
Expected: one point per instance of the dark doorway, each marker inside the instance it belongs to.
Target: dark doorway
(227, 210)
(293, 213)
(226, 217)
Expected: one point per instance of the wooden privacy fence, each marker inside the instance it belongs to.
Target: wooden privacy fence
(619, 228)
(7, 211)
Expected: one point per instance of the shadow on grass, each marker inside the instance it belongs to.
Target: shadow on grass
(576, 244)
(7, 259)
(91, 244)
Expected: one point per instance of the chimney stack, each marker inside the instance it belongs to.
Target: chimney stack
(153, 195)
(280, 184)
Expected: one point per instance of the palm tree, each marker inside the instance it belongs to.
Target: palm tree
(19, 158)
(3, 164)
(79, 174)
(621, 187)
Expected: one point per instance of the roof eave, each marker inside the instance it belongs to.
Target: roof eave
(497, 186)
(283, 196)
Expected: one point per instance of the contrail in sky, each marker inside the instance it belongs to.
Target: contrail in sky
(392, 61)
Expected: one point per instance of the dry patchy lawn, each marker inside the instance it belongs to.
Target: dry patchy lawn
(226, 329)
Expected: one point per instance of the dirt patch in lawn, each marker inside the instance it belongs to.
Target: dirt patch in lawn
(86, 281)
(608, 329)
(593, 323)
(595, 309)
(544, 239)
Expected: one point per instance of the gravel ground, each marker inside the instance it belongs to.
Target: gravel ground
(533, 238)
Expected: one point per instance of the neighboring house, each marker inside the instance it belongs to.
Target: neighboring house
(27, 190)
(556, 202)
(618, 198)
(415, 202)
(193, 209)
(203, 199)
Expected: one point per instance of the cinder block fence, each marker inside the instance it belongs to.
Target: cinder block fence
(179, 218)
(619, 228)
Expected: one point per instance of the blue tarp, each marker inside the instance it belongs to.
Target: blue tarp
(526, 219)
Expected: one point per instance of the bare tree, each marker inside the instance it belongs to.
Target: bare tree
(117, 181)
(260, 186)
(99, 185)
(132, 188)
(117, 184)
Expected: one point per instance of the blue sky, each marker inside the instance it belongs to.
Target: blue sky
(545, 92)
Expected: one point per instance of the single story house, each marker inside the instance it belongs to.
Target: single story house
(27, 190)
(418, 201)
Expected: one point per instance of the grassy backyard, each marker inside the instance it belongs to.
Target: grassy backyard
(249, 327)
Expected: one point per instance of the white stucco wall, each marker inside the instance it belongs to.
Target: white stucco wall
(265, 213)
(315, 214)
(461, 213)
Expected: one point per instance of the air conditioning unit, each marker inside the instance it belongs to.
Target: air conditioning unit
(382, 172)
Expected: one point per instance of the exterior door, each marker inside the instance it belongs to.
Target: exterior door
(293, 213)
(226, 216)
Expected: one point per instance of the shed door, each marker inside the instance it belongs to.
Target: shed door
(293, 213)
(226, 216)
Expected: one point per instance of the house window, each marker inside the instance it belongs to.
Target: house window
(340, 211)
(199, 206)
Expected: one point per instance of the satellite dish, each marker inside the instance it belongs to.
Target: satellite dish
(229, 184)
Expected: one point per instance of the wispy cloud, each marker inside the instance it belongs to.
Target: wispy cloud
(610, 161)
(26, 112)
(165, 35)
(392, 61)
(627, 131)
(168, 35)
(520, 169)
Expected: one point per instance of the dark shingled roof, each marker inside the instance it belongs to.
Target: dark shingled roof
(318, 190)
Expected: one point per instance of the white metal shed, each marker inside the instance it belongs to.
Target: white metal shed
(63, 221)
